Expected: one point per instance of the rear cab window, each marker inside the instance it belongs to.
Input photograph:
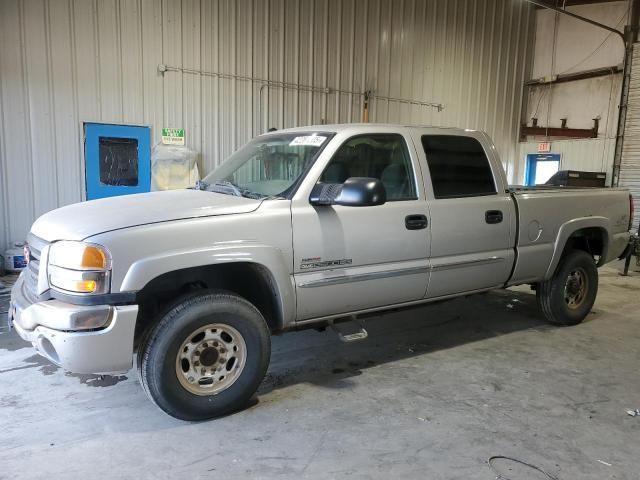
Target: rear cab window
(384, 156)
(458, 166)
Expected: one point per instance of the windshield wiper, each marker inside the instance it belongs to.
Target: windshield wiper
(232, 186)
(223, 186)
(226, 187)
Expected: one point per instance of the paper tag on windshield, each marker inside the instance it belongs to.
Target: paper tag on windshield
(311, 140)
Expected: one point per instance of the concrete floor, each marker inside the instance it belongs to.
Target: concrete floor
(432, 394)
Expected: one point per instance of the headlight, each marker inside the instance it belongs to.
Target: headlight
(79, 267)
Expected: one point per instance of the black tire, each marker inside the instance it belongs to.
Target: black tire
(158, 354)
(551, 294)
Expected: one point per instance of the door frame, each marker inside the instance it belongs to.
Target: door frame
(531, 163)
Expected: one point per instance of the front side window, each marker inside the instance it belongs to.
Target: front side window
(381, 156)
(458, 166)
(268, 166)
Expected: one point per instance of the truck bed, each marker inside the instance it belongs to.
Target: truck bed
(545, 213)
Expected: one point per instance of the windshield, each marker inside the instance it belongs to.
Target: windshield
(267, 166)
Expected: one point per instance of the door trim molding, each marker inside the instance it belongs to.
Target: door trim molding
(466, 263)
(359, 277)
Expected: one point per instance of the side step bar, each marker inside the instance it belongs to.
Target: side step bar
(361, 334)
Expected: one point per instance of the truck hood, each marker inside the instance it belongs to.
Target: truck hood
(82, 220)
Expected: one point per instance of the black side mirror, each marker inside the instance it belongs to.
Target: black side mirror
(354, 192)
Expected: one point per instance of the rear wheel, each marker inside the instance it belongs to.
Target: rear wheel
(206, 357)
(568, 296)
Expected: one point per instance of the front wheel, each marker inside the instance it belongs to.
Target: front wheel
(568, 296)
(206, 357)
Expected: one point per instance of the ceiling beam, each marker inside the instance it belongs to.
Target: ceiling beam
(557, 132)
(545, 4)
(570, 77)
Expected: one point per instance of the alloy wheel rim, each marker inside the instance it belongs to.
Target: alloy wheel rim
(211, 359)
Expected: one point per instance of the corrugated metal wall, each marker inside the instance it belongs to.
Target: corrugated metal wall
(630, 162)
(64, 62)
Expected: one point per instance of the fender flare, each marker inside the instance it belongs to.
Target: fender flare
(569, 228)
(141, 272)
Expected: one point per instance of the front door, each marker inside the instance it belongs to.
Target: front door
(352, 258)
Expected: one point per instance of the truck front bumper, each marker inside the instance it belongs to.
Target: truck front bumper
(54, 329)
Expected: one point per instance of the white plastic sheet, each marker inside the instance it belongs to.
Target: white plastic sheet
(173, 167)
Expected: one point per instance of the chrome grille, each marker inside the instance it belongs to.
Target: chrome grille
(30, 285)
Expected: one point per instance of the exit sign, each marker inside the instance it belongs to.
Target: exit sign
(544, 147)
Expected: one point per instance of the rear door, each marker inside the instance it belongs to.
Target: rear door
(472, 217)
(352, 258)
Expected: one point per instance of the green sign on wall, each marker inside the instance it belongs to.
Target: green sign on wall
(173, 136)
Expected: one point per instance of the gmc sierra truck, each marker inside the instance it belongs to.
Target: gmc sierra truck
(303, 227)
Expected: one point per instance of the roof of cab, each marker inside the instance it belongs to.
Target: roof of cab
(343, 127)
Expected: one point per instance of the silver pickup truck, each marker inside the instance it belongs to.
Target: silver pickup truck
(304, 227)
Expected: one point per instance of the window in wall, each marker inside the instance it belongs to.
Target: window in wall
(458, 166)
(381, 156)
(118, 161)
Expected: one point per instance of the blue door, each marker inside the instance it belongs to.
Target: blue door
(117, 160)
(540, 167)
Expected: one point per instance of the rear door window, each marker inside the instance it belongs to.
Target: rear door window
(458, 166)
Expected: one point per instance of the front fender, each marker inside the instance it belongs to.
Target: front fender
(141, 272)
(569, 228)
